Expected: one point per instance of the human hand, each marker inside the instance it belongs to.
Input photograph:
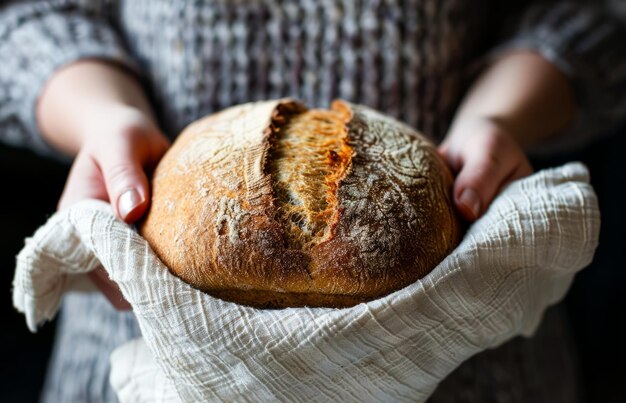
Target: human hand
(118, 149)
(485, 157)
(119, 146)
(518, 101)
(99, 113)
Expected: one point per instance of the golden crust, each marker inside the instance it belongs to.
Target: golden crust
(309, 156)
(218, 222)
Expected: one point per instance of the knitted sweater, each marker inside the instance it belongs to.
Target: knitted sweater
(409, 58)
(412, 59)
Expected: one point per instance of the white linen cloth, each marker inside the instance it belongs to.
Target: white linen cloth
(512, 263)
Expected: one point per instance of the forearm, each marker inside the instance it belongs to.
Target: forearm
(38, 38)
(76, 99)
(525, 94)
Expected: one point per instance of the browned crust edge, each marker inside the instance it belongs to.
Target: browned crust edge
(264, 298)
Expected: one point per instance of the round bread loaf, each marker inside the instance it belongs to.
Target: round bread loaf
(271, 204)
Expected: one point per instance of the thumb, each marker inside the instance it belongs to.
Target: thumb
(486, 168)
(476, 184)
(127, 186)
(126, 183)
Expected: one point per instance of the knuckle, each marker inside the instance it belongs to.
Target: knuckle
(488, 167)
(120, 175)
(483, 176)
(496, 140)
(133, 131)
(471, 180)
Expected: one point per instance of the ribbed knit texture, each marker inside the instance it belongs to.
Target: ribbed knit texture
(396, 56)
(409, 58)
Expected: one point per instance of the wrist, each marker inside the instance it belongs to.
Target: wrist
(523, 93)
(84, 97)
(469, 126)
(106, 121)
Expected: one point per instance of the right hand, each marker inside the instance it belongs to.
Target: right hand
(119, 148)
(111, 166)
(100, 113)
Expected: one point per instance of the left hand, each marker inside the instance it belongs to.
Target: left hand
(485, 157)
(518, 101)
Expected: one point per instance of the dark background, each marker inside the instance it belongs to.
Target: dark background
(31, 186)
(596, 304)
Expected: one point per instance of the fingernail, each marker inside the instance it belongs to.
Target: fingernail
(128, 201)
(470, 199)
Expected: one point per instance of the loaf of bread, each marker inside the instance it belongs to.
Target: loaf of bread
(273, 205)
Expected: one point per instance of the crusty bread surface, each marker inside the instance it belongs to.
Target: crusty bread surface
(274, 205)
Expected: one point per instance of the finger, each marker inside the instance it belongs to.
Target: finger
(482, 175)
(110, 290)
(450, 157)
(126, 183)
(523, 170)
(127, 186)
(84, 182)
(159, 146)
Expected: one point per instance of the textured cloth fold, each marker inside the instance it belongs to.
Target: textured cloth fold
(516, 260)
(136, 378)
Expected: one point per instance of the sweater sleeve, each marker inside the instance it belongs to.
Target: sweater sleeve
(586, 43)
(37, 38)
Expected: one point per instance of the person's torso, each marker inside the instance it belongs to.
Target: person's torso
(408, 58)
